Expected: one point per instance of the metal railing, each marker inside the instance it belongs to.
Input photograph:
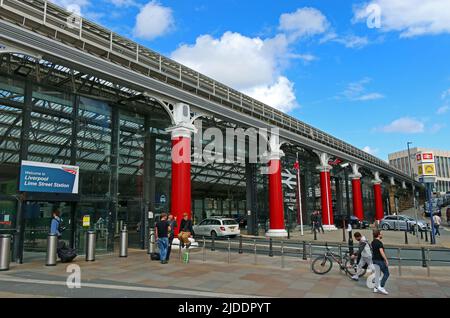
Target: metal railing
(50, 20)
(306, 251)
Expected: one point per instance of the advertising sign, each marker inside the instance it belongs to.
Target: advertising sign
(425, 157)
(86, 220)
(428, 169)
(48, 177)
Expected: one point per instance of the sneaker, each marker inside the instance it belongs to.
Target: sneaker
(383, 291)
(375, 290)
(355, 277)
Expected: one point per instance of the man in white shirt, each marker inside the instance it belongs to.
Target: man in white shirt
(437, 224)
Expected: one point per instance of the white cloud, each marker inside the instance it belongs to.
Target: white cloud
(280, 95)
(239, 61)
(252, 65)
(356, 91)
(446, 94)
(304, 22)
(352, 41)
(436, 128)
(75, 6)
(125, 3)
(404, 125)
(410, 17)
(370, 150)
(443, 109)
(153, 21)
(305, 57)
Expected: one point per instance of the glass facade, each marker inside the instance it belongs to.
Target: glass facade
(124, 155)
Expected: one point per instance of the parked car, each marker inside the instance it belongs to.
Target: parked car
(217, 227)
(399, 222)
(354, 221)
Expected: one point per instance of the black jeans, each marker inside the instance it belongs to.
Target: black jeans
(169, 248)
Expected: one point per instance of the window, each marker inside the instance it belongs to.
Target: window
(229, 222)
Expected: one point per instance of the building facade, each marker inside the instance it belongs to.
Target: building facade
(118, 112)
(399, 160)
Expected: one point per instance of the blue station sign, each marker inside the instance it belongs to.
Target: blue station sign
(48, 177)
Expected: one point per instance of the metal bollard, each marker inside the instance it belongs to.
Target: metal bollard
(52, 244)
(240, 244)
(315, 234)
(270, 248)
(424, 261)
(429, 262)
(5, 254)
(340, 251)
(90, 246)
(304, 251)
(123, 242)
(310, 254)
(213, 245)
(204, 249)
(229, 251)
(256, 261)
(406, 236)
(282, 254)
(399, 263)
(151, 244)
(421, 234)
(426, 235)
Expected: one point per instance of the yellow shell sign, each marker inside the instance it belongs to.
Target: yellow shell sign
(428, 169)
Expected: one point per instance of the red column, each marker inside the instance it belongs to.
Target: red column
(180, 200)
(357, 199)
(276, 201)
(379, 213)
(325, 192)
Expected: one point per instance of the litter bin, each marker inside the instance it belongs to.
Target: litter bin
(5, 253)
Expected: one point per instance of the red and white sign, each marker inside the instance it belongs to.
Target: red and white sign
(425, 157)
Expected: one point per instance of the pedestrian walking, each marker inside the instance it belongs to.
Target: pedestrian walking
(313, 221)
(162, 229)
(173, 224)
(56, 224)
(363, 255)
(185, 231)
(437, 223)
(319, 222)
(381, 263)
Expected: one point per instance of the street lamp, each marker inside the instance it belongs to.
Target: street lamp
(413, 192)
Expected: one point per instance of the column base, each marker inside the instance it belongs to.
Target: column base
(330, 227)
(276, 233)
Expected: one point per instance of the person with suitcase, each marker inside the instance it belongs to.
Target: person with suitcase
(65, 253)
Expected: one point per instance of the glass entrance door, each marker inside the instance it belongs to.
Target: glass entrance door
(38, 217)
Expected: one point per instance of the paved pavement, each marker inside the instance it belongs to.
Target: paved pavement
(137, 276)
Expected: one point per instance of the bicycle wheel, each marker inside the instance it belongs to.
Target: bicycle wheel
(352, 269)
(321, 265)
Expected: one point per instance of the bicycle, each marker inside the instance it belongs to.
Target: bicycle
(322, 264)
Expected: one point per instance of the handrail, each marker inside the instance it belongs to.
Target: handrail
(330, 246)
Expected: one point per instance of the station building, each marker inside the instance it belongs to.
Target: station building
(87, 98)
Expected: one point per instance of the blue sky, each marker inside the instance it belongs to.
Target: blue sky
(373, 73)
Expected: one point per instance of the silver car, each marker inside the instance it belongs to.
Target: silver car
(398, 222)
(217, 226)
